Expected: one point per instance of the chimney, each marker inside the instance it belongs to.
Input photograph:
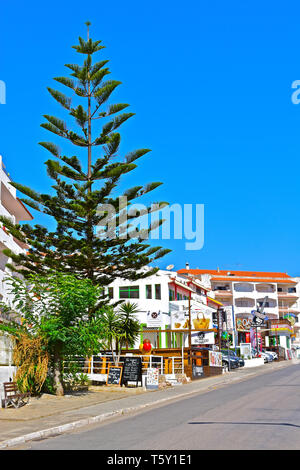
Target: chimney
(187, 266)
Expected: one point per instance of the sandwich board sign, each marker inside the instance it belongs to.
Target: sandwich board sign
(114, 375)
(152, 378)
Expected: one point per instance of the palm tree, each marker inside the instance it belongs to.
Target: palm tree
(130, 324)
(121, 327)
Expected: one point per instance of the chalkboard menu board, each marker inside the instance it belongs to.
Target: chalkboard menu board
(114, 375)
(198, 372)
(132, 370)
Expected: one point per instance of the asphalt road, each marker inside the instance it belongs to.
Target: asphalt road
(259, 413)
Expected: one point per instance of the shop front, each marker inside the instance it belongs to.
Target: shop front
(243, 329)
(278, 337)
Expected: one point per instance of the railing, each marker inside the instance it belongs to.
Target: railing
(96, 367)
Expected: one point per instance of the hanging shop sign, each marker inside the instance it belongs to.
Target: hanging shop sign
(215, 359)
(280, 329)
(154, 318)
(259, 318)
(291, 317)
(229, 318)
(200, 337)
(201, 320)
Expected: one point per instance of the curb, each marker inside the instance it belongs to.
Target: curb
(54, 431)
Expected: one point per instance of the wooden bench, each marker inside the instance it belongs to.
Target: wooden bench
(13, 397)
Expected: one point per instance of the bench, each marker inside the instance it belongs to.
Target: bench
(13, 397)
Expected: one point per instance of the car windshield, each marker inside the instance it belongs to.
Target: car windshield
(230, 353)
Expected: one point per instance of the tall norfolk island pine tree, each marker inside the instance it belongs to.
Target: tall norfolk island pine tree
(74, 246)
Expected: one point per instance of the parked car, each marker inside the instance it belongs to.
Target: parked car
(273, 353)
(265, 356)
(230, 360)
(241, 360)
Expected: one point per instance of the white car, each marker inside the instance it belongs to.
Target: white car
(274, 354)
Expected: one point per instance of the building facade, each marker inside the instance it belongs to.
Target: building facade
(159, 298)
(244, 291)
(13, 208)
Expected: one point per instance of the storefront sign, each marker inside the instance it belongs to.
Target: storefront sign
(215, 359)
(243, 324)
(229, 318)
(154, 319)
(281, 329)
(201, 320)
(201, 337)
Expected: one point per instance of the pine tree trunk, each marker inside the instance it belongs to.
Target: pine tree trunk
(58, 384)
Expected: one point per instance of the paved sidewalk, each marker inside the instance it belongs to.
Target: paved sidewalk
(49, 415)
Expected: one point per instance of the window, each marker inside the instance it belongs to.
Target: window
(111, 292)
(157, 291)
(149, 291)
(199, 291)
(130, 292)
(171, 294)
(291, 290)
(244, 303)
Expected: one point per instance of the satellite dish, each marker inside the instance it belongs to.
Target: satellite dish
(171, 266)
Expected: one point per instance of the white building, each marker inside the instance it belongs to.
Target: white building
(246, 290)
(158, 297)
(12, 207)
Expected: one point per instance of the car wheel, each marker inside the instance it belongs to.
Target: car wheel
(225, 366)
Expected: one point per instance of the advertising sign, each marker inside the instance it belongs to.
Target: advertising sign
(243, 324)
(215, 359)
(229, 318)
(198, 372)
(201, 320)
(154, 318)
(280, 329)
(114, 375)
(152, 378)
(245, 349)
(200, 337)
(291, 317)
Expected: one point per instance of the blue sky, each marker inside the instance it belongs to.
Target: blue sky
(210, 83)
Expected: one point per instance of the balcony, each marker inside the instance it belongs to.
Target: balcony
(266, 288)
(287, 295)
(7, 241)
(243, 287)
(222, 293)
